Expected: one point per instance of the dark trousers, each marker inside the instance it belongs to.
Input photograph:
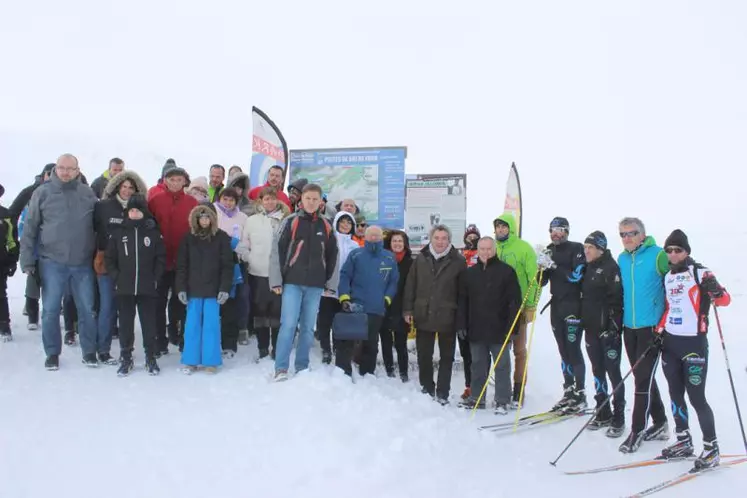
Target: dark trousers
(229, 325)
(466, 351)
(146, 311)
(265, 335)
(425, 342)
(393, 332)
(370, 349)
(176, 313)
(605, 353)
(32, 309)
(566, 327)
(328, 308)
(647, 399)
(685, 365)
(264, 312)
(4, 309)
(69, 311)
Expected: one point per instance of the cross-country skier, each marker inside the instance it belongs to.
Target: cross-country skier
(565, 270)
(690, 289)
(601, 315)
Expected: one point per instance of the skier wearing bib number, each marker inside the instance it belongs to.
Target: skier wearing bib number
(681, 335)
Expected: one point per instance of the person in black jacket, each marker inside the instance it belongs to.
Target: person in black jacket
(489, 299)
(108, 215)
(302, 262)
(135, 260)
(9, 250)
(601, 315)
(204, 276)
(394, 326)
(563, 264)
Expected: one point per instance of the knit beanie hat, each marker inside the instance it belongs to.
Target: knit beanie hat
(678, 239)
(170, 164)
(137, 201)
(560, 222)
(597, 239)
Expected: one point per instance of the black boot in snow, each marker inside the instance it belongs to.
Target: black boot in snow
(5, 334)
(52, 362)
(603, 417)
(658, 432)
(125, 366)
(617, 425)
(709, 458)
(326, 357)
(683, 448)
(107, 359)
(632, 442)
(90, 360)
(151, 366)
(567, 394)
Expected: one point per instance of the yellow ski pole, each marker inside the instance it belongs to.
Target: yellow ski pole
(503, 348)
(529, 355)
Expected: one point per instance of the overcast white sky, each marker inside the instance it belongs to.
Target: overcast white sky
(608, 108)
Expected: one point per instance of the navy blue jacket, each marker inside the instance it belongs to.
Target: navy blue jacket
(369, 275)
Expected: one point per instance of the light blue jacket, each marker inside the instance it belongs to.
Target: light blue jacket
(642, 273)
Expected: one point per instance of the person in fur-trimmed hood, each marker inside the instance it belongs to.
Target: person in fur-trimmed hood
(204, 276)
(108, 214)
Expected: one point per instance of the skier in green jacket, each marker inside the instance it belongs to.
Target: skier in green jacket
(520, 255)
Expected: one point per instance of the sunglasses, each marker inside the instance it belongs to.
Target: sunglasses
(558, 230)
(676, 250)
(632, 233)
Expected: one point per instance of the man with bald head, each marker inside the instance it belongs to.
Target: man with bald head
(59, 232)
(368, 278)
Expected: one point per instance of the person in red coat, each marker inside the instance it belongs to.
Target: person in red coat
(160, 187)
(171, 209)
(275, 178)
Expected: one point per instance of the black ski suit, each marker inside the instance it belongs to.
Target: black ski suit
(565, 309)
(601, 316)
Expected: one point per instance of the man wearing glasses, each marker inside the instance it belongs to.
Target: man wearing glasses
(643, 265)
(59, 224)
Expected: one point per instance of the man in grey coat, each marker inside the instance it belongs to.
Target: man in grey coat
(59, 224)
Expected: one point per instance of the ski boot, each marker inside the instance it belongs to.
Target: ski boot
(617, 424)
(151, 366)
(576, 403)
(632, 442)
(709, 458)
(658, 432)
(125, 366)
(567, 395)
(470, 404)
(603, 417)
(683, 448)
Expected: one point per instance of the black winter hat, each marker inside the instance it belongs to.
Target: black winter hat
(137, 201)
(471, 229)
(678, 239)
(560, 222)
(298, 184)
(48, 169)
(2, 190)
(597, 239)
(168, 165)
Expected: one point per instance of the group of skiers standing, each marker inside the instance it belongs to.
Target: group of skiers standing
(211, 257)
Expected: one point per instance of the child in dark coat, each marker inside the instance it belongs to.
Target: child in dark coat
(204, 276)
(135, 260)
(8, 264)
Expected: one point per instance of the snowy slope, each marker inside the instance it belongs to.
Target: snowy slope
(86, 433)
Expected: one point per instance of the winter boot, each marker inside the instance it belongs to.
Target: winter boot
(281, 375)
(244, 337)
(567, 395)
(515, 405)
(632, 442)
(327, 357)
(404, 376)
(709, 458)
(470, 403)
(125, 366)
(70, 338)
(467, 393)
(577, 402)
(617, 425)
(603, 417)
(5, 334)
(151, 366)
(52, 362)
(683, 448)
(658, 432)
(90, 360)
(500, 409)
(107, 359)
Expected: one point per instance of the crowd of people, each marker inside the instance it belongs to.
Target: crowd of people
(204, 262)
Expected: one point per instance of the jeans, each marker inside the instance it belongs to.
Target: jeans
(55, 280)
(299, 309)
(107, 317)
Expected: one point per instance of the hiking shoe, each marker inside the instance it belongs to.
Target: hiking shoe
(632, 442)
(32, 326)
(107, 359)
(281, 375)
(501, 409)
(90, 360)
(52, 362)
(709, 458)
(683, 448)
(658, 432)
(125, 367)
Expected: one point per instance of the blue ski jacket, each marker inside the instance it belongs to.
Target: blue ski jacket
(642, 272)
(369, 277)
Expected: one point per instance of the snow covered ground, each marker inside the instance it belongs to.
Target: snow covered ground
(84, 433)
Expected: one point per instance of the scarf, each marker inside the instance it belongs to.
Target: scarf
(123, 202)
(399, 256)
(436, 255)
(228, 212)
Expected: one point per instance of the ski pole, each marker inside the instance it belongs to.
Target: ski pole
(503, 348)
(731, 378)
(529, 353)
(599, 408)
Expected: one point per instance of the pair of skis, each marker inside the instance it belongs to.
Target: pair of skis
(668, 483)
(536, 420)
